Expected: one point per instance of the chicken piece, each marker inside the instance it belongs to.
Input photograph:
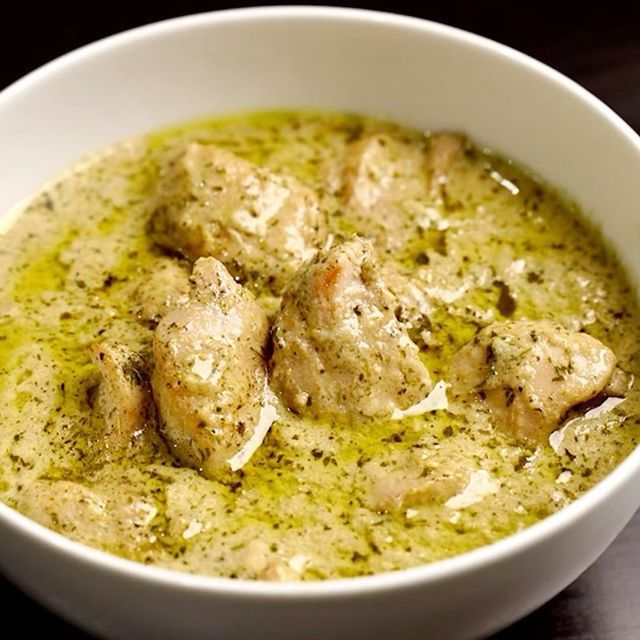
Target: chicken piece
(65, 504)
(530, 373)
(261, 225)
(164, 285)
(263, 563)
(338, 349)
(124, 400)
(619, 384)
(443, 150)
(415, 478)
(390, 187)
(118, 521)
(209, 377)
(385, 189)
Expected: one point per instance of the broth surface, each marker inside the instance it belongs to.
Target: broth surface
(501, 246)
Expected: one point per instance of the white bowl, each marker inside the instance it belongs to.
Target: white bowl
(416, 72)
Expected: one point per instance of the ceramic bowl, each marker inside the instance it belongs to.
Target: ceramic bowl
(418, 73)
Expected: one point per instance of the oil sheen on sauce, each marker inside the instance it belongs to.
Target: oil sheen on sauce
(505, 246)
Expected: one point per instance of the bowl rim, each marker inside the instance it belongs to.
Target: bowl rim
(466, 562)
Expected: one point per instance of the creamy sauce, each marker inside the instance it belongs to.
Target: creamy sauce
(502, 245)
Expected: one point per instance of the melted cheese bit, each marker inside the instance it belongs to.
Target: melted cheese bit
(192, 530)
(268, 415)
(299, 562)
(448, 296)
(555, 439)
(328, 243)
(507, 184)
(145, 513)
(202, 367)
(435, 401)
(480, 485)
(605, 407)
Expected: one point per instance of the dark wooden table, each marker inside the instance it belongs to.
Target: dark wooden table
(596, 44)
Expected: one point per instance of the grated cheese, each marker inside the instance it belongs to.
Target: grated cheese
(480, 485)
(435, 401)
(268, 415)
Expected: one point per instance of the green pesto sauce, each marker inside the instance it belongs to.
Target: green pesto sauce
(69, 266)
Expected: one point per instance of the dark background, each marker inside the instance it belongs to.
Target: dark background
(596, 44)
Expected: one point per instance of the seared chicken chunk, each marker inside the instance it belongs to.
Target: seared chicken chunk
(261, 225)
(119, 521)
(385, 189)
(414, 478)
(390, 186)
(338, 349)
(124, 399)
(263, 563)
(209, 377)
(530, 373)
(441, 154)
(164, 285)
